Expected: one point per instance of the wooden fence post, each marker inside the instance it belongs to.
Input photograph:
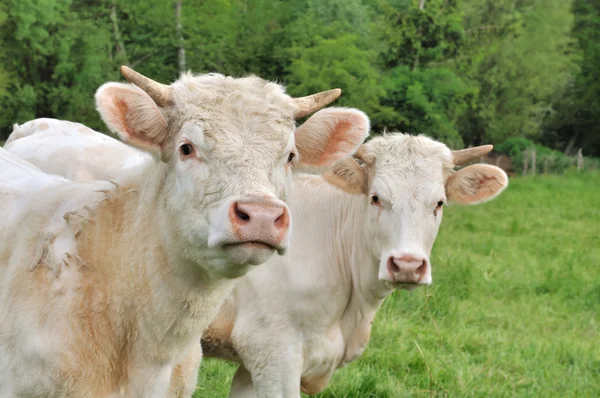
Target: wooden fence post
(525, 161)
(579, 160)
(533, 163)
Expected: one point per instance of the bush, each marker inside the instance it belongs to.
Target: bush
(546, 158)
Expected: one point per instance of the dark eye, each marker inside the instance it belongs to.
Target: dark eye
(375, 199)
(439, 206)
(291, 157)
(186, 149)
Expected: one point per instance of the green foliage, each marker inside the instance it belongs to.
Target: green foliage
(463, 71)
(428, 101)
(513, 310)
(574, 121)
(421, 96)
(519, 56)
(547, 160)
(336, 63)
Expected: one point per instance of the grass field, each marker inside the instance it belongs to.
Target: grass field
(514, 309)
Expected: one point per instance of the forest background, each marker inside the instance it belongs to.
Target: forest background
(508, 72)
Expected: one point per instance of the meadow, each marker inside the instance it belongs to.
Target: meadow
(513, 310)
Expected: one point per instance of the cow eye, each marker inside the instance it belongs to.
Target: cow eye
(374, 199)
(439, 206)
(186, 149)
(291, 157)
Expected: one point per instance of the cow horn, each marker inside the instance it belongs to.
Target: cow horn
(462, 156)
(160, 93)
(312, 103)
(363, 157)
(360, 152)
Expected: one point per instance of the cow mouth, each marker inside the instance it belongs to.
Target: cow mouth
(254, 244)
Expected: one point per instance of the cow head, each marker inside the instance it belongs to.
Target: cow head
(406, 182)
(227, 148)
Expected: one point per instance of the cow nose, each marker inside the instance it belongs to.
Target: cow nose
(260, 221)
(408, 268)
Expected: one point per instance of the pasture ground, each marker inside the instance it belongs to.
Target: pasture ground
(513, 311)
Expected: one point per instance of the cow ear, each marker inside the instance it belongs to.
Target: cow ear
(330, 135)
(130, 113)
(476, 184)
(349, 176)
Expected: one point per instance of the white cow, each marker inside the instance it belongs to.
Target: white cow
(105, 289)
(292, 322)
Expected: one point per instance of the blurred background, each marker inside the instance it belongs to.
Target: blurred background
(514, 307)
(464, 71)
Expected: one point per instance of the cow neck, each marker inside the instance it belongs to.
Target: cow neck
(367, 292)
(349, 256)
(169, 299)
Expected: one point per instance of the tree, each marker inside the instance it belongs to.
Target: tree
(53, 69)
(421, 95)
(574, 121)
(181, 47)
(519, 56)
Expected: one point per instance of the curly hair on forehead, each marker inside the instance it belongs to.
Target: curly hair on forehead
(253, 94)
(409, 149)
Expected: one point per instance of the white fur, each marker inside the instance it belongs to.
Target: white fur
(298, 318)
(84, 154)
(137, 282)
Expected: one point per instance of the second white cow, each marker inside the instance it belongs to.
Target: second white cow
(291, 323)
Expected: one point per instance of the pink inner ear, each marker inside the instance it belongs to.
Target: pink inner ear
(348, 132)
(475, 184)
(341, 143)
(488, 186)
(113, 110)
(131, 113)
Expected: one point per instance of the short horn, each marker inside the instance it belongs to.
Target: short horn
(360, 152)
(463, 156)
(160, 93)
(312, 103)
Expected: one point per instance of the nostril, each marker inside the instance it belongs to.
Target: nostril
(282, 221)
(392, 266)
(240, 213)
(422, 268)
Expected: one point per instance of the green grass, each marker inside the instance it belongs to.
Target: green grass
(513, 310)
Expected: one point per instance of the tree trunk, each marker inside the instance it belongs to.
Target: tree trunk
(119, 46)
(571, 144)
(416, 60)
(181, 48)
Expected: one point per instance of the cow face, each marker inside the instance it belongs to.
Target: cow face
(406, 182)
(228, 148)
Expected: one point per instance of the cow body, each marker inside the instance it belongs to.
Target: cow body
(85, 154)
(291, 323)
(106, 287)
